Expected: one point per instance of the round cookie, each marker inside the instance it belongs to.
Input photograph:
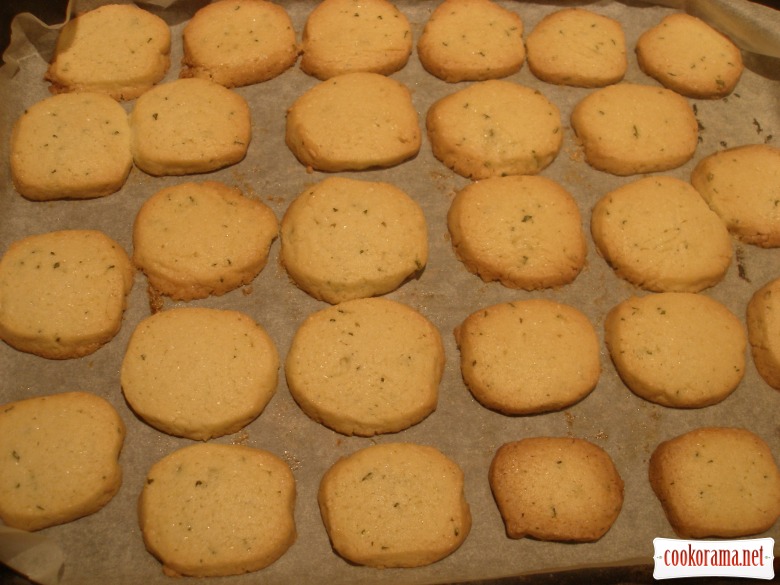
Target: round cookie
(353, 122)
(716, 482)
(495, 128)
(345, 36)
(683, 350)
(472, 40)
(193, 240)
(366, 366)
(659, 234)
(394, 505)
(556, 488)
(763, 322)
(198, 372)
(523, 231)
(211, 510)
(527, 357)
(627, 129)
(345, 239)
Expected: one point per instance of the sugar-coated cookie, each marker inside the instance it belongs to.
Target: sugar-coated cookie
(763, 325)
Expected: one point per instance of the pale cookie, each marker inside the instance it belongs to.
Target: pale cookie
(472, 40)
(63, 293)
(763, 324)
(523, 231)
(345, 239)
(556, 488)
(659, 234)
(189, 126)
(394, 505)
(716, 482)
(239, 42)
(211, 510)
(193, 240)
(71, 146)
(690, 57)
(741, 185)
(577, 47)
(628, 129)
(683, 350)
(345, 36)
(366, 366)
(527, 357)
(117, 49)
(198, 372)
(495, 128)
(60, 458)
(353, 122)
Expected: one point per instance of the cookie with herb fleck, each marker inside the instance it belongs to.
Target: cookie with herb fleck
(763, 320)
(394, 505)
(561, 489)
(210, 510)
(720, 482)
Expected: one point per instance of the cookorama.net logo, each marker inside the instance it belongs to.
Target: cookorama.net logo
(748, 558)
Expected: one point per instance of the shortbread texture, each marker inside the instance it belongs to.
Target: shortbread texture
(763, 324)
(60, 458)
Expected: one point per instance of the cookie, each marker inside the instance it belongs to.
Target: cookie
(577, 47)
(117, 49)
(556, 488)
(687, 55)
(189, 126)
(198, 372)
(346, 36)
(527, 357)
(194, 240)
(394, 505)
(63, 293)
(659, 234)
(495, 128)
(762, 326)
(683, 350)
(716, 482)
(345, 239)
(353, 122)
(523, 231)
(238, 42)
(60, 458)
(472, 40)
(71, 146)
(740, 185)
(211, 510)
(628, 129)
(366, 366)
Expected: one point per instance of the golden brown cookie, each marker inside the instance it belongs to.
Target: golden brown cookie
(763, 314)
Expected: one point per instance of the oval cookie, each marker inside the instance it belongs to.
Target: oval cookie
(762, 315)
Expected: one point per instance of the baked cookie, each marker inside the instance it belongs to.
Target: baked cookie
(189, 126)
(345, 239)
(63, 293)
(193, 240)
(238, 42)
(495, 128)
(117, 49)
(71, 146)
(556, 488)
(353, 122)
(394, 505)
(527, 357)
(472, 40)
(659, 234)
(198, 372)
(577, 47)
(60, 458)
(366, 366)
(345, 36)
(523, 231)
(690, 57)
(628, 129)
(716, 482)
(763, 320)
(683, 350)
(210, 510)
(741, 185)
